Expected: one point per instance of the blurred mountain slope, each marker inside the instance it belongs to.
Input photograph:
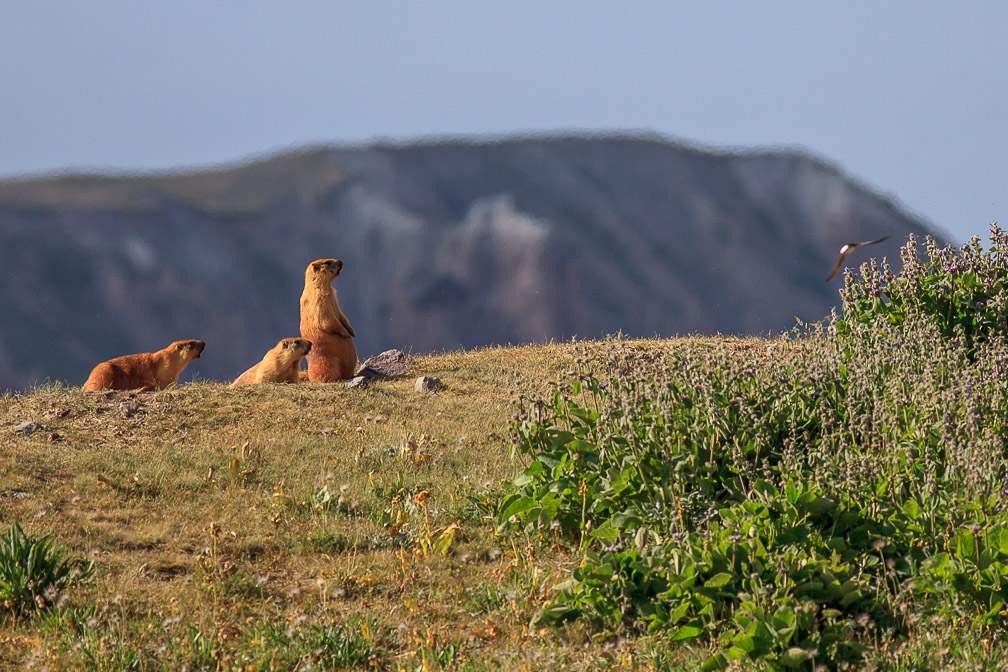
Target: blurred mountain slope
(445, 245)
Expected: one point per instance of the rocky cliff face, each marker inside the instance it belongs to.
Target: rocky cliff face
(444, 245)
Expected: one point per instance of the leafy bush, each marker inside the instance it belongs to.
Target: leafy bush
(793, 510)
(961, 290)
(32, 571)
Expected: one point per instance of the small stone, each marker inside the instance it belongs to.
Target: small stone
(357, 381)
(389, 364)
(129, 408)
(428, 384)
(27, 427)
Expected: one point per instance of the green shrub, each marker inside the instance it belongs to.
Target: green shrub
(963, 291)
(793, 512)
(33, 573)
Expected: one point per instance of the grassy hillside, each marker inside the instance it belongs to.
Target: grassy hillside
(224, 523)
(830, 500)
(242, 189)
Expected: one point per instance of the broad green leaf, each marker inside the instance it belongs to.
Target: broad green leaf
(686, 633)
(794, 657)
(516, 504)
(716, 662)
(718, 580)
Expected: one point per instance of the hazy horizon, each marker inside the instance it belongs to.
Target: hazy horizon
(907, 98)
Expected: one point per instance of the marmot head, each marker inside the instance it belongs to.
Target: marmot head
(188, 350)
(323, 270)
(299, 347)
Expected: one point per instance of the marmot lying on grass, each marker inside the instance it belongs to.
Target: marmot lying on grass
(279, 365)
(145, 371)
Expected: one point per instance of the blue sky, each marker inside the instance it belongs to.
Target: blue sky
(909, 97)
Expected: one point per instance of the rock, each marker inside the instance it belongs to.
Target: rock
(357, 381)
(428, 384)
(129, 408)
(27, 427)
(389, 364)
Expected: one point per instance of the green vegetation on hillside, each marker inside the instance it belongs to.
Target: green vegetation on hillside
(830, 500)
(843, 506)
(239, 190)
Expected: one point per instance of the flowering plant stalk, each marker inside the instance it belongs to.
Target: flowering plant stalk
(961, 290)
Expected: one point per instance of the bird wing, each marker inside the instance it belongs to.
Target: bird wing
(845, 250)
(836, 266)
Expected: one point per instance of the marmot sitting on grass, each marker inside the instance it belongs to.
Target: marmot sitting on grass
(144, 371)
(333, 355)
(279, 365)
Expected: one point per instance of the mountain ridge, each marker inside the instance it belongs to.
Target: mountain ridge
(446, 245)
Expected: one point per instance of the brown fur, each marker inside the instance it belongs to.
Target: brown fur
(280, 365)
(333, 355)
(145, 371)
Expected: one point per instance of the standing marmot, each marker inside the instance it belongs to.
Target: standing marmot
(280, 365)
(333, 355)
(145, 371)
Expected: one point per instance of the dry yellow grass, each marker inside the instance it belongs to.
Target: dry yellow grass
(205, 510)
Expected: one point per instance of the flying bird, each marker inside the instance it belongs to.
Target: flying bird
(847, 249)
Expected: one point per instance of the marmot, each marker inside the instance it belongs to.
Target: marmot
(280, 365)
(333, 355)
(145, 371)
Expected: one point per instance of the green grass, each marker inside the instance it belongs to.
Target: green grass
(278, 524)
(245, 513)
(831, 500)
(245, 188)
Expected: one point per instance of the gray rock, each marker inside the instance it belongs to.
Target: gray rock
(357, 381)
(27, 427)
(390, 363)
(428, 384)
